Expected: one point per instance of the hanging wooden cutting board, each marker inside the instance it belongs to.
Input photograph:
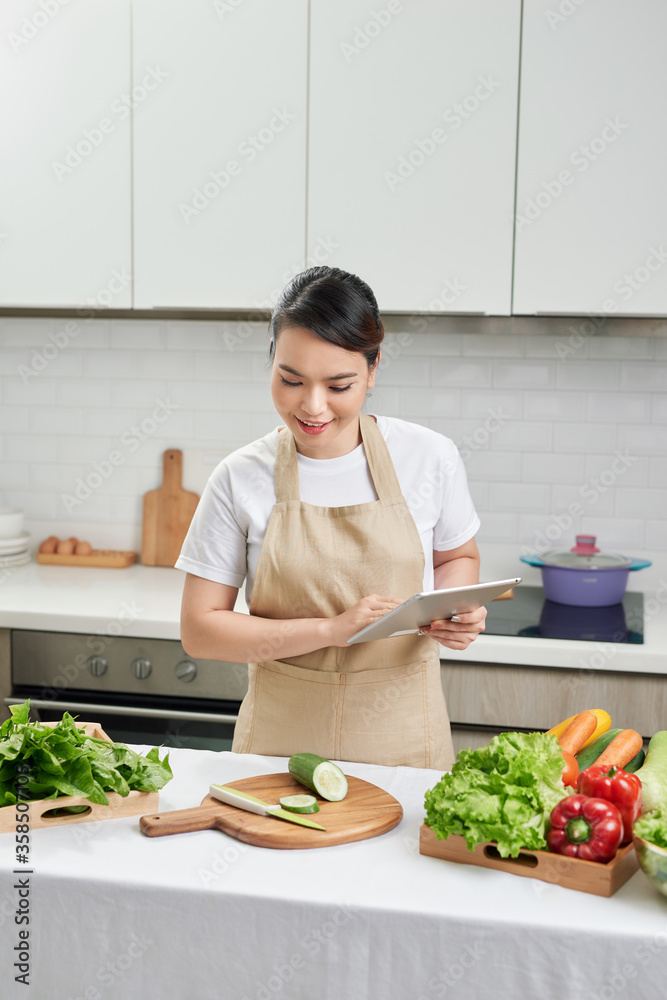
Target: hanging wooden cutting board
(167, 514)
(366, 811)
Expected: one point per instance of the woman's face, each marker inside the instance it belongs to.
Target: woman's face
(318, 389)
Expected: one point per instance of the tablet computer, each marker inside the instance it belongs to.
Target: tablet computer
(422, 609)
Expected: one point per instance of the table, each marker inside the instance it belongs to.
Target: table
(117, 916)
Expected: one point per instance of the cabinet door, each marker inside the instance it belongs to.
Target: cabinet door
(591, 195)
(65, 169)
(219, 151)
(412, 147)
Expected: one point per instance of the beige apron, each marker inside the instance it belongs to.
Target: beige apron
(377, 702)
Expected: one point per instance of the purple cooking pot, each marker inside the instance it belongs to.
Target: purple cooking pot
(584, 577)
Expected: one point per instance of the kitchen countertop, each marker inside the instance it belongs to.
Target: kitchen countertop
(144, 602)
(118, 916)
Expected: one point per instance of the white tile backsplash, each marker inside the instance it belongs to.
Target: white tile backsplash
(554, 406)
(551, 467)
(519, 496)
(645, 376)
(456, 373)
(587, 375)
(542, 426)
(524, 374)
(584, 437)
(619, 407)
(437, 402)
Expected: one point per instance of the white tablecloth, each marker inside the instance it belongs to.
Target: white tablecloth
(200, 916)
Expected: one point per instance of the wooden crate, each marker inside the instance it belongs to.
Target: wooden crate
(133, 804)
(571, 873)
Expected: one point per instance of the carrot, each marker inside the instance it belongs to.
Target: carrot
(621, 750)
(576, 734)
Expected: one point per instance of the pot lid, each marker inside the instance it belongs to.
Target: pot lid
(585, 555)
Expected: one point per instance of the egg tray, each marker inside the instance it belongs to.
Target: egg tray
(109, 558)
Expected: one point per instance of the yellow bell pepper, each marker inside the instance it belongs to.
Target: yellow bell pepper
(604, 723)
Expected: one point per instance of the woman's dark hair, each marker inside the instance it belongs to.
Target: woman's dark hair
(337, 306)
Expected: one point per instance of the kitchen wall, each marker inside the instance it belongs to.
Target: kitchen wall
(560, 433)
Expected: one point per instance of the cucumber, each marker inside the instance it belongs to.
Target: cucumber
(632, 766)
(588, 756)
(300, 803)
(320, 775)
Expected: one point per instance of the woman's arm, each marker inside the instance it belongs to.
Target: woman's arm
(212, 630)
(457, 568)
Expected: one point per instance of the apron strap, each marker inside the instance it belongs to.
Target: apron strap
(287, 469)
(379, 460)
(380, 465)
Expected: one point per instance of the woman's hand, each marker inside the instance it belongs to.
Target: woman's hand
(363, 613)
(457, 632)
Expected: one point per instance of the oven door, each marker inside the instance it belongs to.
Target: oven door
(203, 725)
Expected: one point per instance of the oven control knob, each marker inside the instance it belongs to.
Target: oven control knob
(142, 669)
(97, 665)
(186, 671)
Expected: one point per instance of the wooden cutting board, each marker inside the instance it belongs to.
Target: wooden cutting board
(366, 811)
(167, 514)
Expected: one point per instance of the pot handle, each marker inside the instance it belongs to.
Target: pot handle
(536, 561)
(639, 564)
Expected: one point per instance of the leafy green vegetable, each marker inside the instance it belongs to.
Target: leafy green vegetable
(652, 826)
(503, 792)
(62, 760)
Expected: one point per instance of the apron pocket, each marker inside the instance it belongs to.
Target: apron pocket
(294, 710)
(384, 717)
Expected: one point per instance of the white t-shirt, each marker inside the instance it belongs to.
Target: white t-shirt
(227, 531)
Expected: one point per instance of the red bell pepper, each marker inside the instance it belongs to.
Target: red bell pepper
(586, 828)
(617, 786)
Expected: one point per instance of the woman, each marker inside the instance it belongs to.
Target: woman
(314, 517)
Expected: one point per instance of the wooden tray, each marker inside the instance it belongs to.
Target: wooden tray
(366, 811)
(571, 873)
(111, 558)
(119, 805)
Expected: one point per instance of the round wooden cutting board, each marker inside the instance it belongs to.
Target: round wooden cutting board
(366, 811)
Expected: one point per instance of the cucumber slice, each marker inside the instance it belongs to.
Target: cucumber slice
(320, 775)
(300, 803)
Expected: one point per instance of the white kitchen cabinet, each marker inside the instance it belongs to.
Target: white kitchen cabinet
(412, 146)
(591, 196)
(219, 151)
(65, 237)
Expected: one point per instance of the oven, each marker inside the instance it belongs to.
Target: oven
(143, 691)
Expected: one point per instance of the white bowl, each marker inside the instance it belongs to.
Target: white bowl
(11, 522)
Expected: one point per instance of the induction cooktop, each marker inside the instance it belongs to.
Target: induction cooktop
(529, 614)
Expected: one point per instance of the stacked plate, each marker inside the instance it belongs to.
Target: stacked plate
(14, 551)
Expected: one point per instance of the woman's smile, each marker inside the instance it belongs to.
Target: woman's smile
(311, 428)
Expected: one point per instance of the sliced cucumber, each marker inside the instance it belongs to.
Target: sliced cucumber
(300, 803)
(320, 775)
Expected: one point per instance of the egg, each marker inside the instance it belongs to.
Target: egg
(83, 549)
(49, 544)
(65, 548)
